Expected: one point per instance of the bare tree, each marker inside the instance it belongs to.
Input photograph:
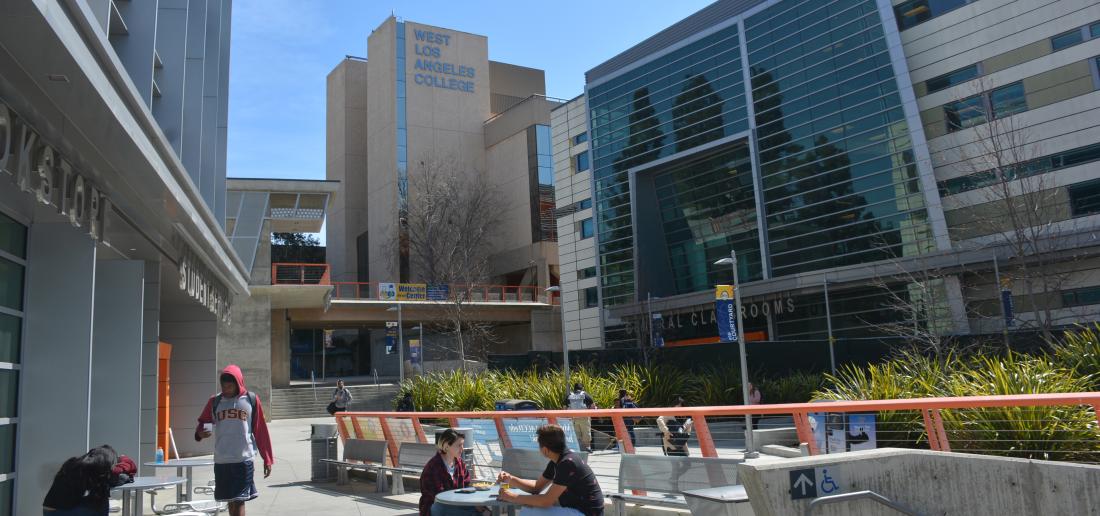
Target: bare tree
(446, 231)
(1020, 209)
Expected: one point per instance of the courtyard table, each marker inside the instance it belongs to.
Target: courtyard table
(132, 502)
(181, 465)
(477, 499)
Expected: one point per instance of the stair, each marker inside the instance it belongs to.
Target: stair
(297, 403)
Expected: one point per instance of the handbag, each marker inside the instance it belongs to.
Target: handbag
(331, 408)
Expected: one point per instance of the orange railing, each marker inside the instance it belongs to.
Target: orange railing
(396, 427)
(351, 290)
(300, 274)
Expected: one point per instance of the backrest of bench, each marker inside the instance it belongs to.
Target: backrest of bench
(415, 455)
(365, 450)
(528, 464)
(675, 474)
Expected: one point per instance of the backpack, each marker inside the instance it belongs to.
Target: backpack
(251, 401)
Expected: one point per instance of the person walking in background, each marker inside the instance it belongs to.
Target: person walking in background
(236, 420)
(443, 472)
(626, 401)
(341, 398)
(405, 404)
(582, 426)
(675, 432)
(754, 399)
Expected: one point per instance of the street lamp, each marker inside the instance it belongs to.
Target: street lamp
(400, 343)
(732, 262)
(564, 341)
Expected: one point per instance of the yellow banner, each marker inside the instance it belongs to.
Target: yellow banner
(723, 292)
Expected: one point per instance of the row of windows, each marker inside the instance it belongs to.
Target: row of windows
(580, 138)
(587, 272)
(1081, 297)
(590, 297)
(586, 228)
(583, 204)
(580, 163)
(1084, 198)
(915, 12)
(13, 252)
(979, 109)
(1070, 158)
(1075, 36)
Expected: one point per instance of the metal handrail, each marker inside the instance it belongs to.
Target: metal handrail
(860, 495)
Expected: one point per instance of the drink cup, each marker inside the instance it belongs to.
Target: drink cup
(208, 427)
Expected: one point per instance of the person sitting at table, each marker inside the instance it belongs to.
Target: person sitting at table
(574, 490)
(83, 484)
(444, 472)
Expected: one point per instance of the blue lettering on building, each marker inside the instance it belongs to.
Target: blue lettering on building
(432, 71)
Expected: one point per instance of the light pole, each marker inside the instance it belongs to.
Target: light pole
(564, 341)
(400, 344)
(732, 262)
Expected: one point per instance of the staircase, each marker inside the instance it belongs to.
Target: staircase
(298, 402)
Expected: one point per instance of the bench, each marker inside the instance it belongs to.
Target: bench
(669, 476)
(411, 458)
(528, 464)
(365, 454)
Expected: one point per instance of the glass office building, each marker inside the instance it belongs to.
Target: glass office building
(778, 129)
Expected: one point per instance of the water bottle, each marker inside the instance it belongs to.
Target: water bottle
(160, 455)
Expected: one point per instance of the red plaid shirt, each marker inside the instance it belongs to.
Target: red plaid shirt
(435, 479)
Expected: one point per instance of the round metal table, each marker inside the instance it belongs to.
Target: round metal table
(477, 499)
(181, 465)
(132, 502)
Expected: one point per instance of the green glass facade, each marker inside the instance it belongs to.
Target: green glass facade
(686, 98)
(828, 179)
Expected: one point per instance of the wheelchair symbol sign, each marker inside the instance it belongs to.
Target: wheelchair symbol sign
(816, 482)
(827, 483)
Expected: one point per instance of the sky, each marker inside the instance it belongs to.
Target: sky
(282, 50)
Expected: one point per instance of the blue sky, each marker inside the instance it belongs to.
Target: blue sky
(283, 49)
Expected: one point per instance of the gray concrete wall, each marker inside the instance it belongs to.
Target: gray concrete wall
(117, 356)
(280, 349)
(381, 200)
(346, 161)
(932, 483)
(150, 342)
(55, 379)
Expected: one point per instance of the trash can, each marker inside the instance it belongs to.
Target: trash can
(322, 446)
(516, 405)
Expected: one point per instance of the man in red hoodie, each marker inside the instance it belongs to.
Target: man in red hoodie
(236, 420)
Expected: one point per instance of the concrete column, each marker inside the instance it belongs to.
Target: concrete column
(55, 379)
(247, 343)
(149, 357)
(280, 349)
(136, 48)
(957, 303)
(172, 47)
(193, 333)
(210, 103)
(117, 356)
(192, 89)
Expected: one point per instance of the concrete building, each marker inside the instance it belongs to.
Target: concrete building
(861, 144)
(426, 99)
(117, 278)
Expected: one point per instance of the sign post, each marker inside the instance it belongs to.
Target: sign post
(735, 334)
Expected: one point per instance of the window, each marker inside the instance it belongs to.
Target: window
(1094, 31)
(1081, 297)
(1001, 102)
(585, 204)
(13, 254)
(580, 138)
(1084, 198)
(587, 272)
(915, 12)
(1066, 40)
(948, 80)
(591, 297)
(582, 162)
(965, 113)
(1070, 158)
(1008, 100)
(586, 228)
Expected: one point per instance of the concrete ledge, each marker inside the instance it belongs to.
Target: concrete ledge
(774, 436)
(931, 483)
(781, 451)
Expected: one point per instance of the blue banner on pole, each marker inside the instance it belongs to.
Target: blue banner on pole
(726, 312)
(391, 338)
(657, 323)
(1006, 303)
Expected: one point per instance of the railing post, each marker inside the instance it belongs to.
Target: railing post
(390, 442)
(342, 428)
(502, 433)
(930, 430)
(453, 421)
(937, 420)
(552, 420)
(419, 430)
(805, 432)
(1096, 412)
(302, 274)
(355, 425)
(274, 273)
(702, 431)
(621, 434)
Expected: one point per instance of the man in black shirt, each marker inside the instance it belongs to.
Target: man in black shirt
(573, 491)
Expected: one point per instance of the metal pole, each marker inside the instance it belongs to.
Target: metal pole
(1000, 301)
(749, 453)
(829, 325)
(564, 344)
(400, 347)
